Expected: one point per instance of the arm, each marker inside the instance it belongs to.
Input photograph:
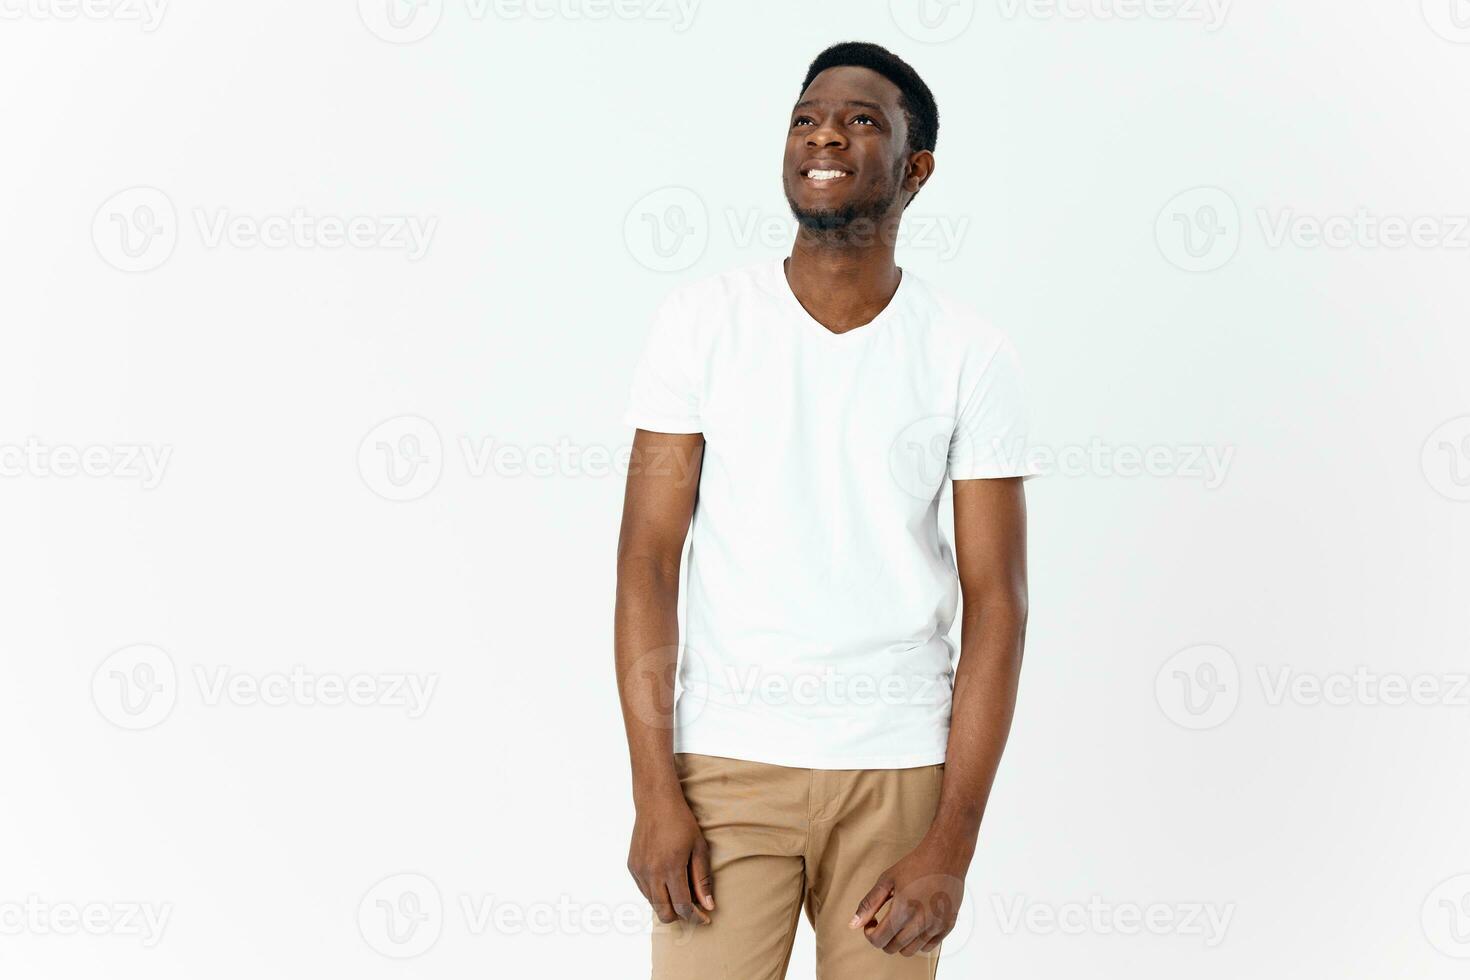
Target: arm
(668, 856)
(927, 885)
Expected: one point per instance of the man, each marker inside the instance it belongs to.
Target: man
(825, 752)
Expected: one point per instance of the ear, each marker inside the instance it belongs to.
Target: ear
(920, 169)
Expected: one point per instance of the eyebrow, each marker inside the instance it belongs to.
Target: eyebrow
(853, 102)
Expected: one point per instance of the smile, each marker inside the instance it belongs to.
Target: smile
(825, 174)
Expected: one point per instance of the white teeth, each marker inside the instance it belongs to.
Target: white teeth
(825, 174)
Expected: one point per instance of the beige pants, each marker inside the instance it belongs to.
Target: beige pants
(782, 839)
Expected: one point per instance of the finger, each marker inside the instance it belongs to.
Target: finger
(915, 932)
(927, 938)
(917, 946)
(684, 907)
(899, 914)
(932, 944)
(658, 899)
(867, 909)
(702, 876)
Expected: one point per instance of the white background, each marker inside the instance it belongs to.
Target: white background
(527, 140)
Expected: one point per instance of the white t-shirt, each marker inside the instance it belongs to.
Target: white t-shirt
(820, 592)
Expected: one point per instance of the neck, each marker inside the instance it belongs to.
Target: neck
(842, 286)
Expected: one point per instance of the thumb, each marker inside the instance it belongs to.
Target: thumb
(867, 909)
(703, 876)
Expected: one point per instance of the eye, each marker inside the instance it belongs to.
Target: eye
(801, 121)
(865, 119)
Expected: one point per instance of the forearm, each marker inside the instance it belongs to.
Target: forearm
(645, 642)
(992, 638)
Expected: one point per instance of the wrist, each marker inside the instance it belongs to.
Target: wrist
(659, 793)
(953, 837)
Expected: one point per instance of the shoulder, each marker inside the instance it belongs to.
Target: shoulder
(956, 327)
(721, 291)
(695, 314)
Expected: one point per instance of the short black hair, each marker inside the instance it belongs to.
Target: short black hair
(915, 97)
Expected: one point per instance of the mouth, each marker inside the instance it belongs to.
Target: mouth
(824, 175)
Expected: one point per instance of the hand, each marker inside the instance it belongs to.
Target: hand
(669, 860)
(926, 886)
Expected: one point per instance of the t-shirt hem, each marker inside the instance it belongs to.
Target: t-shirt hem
(661, 423)
(1029, 473)
(803, 760)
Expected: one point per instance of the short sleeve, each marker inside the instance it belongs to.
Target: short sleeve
(991, 432)
(665, 395)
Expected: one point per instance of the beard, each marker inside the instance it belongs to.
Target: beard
(856, 222)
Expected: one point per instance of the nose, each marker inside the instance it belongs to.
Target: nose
(824, 134)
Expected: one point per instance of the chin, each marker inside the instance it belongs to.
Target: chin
(823, 219)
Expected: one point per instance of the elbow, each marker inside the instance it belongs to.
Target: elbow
(1000, 609)
(644, 569)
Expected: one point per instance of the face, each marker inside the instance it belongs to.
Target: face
(847, 154)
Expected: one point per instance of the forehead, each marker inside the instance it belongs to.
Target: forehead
(849, 83)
